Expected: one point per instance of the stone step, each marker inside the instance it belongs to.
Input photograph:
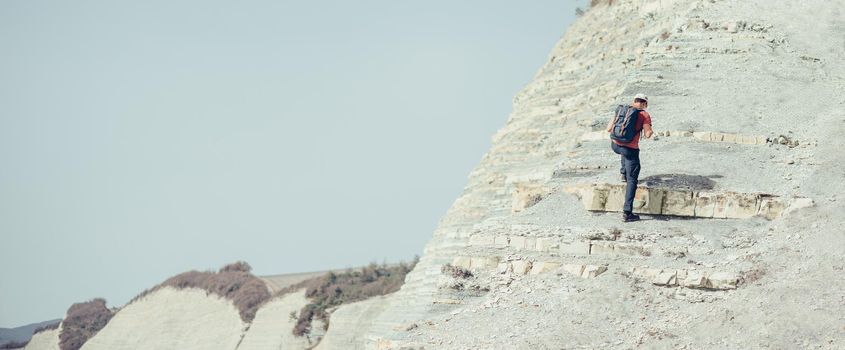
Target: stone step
(563, 170)
(667, 277)
(526, 267)
(562, 246)
(684, 202)
(713, 280)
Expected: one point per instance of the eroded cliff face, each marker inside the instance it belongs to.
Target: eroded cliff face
(746, 98)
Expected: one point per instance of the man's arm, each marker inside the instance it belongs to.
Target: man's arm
(647, 132)
(610, 124)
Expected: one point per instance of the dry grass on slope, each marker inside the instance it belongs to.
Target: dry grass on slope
(82, 322)
(234, 282)
(334, 289)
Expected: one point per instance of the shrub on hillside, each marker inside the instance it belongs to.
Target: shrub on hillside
(83, 320)
(250, 297)
(238, 266)
(334, 289)
(47, 327)
(233, 281)
(455, 271)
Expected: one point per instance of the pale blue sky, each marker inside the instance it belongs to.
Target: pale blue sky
(142, 139)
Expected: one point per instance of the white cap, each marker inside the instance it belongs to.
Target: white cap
(641, 97)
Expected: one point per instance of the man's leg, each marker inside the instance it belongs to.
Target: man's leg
(618, 150)
(632, 174)
(622, 168)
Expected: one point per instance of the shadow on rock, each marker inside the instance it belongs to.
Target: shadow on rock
(681, 181)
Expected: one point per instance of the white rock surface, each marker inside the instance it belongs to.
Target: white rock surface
(348, 321)
(172, 319)
(272, 327)
(45, 340)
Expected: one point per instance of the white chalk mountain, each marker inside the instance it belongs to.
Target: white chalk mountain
(744, 179)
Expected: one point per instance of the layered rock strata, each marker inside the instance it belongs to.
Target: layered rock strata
(741, 94)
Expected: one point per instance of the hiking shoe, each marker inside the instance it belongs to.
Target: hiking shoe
(629, 217)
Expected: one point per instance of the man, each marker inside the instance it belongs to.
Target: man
(630, 153)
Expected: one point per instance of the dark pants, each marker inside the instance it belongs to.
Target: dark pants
(631, 170)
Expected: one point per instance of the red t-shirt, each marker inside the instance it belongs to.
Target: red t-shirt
(643, 119)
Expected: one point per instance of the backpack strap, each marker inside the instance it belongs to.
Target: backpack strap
(620, 111)
(636, 114)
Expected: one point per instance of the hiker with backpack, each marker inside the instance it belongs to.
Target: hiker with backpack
(625, 128)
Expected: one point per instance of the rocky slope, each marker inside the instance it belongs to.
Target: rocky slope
(746, 97)
(750, 95)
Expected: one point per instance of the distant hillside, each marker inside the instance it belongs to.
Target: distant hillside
(22, 333)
